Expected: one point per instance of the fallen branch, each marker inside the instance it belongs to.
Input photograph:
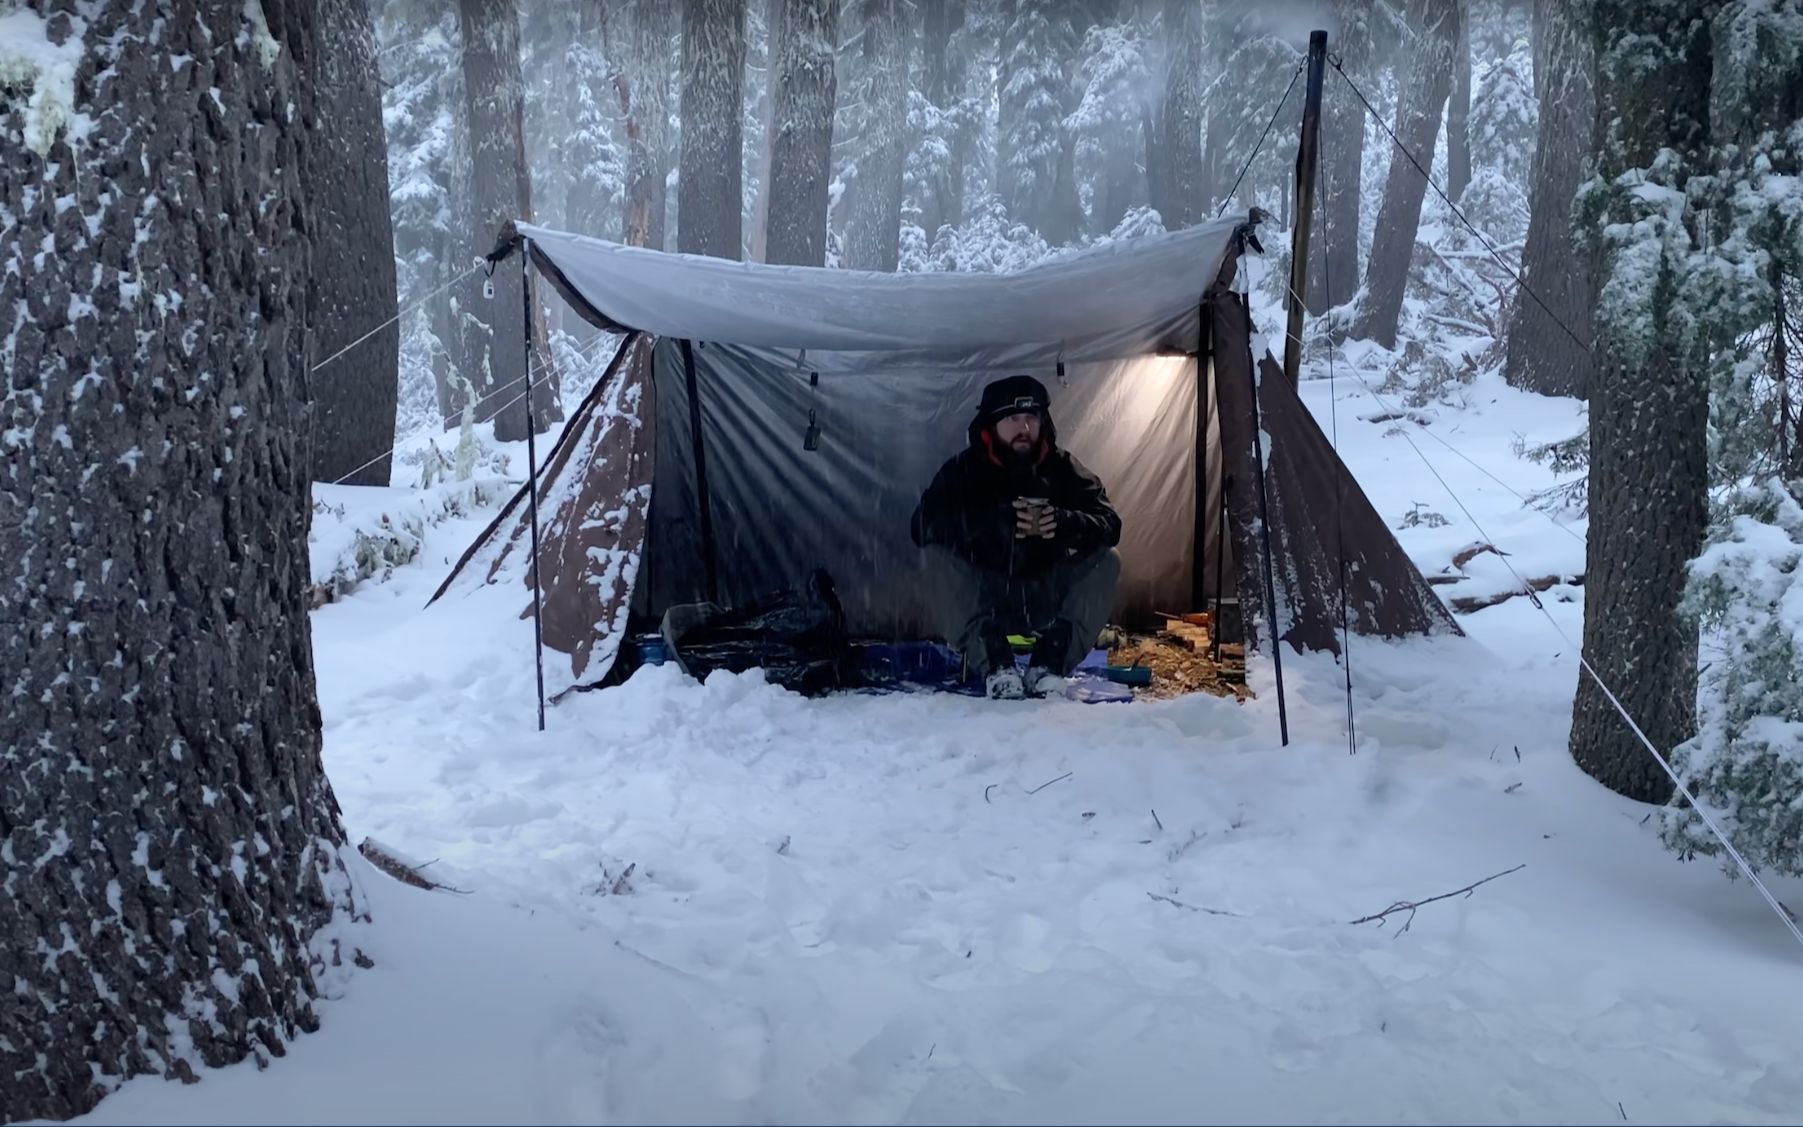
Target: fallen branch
(1412, 906)
(1044, 785)
(383, 859)
(1193, 907)
(1465, 604)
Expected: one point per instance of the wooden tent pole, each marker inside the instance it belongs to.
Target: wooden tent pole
(538, 631)
(1308, 159)
(1264, 523)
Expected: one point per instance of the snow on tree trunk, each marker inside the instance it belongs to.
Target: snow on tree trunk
(801, 151)
(1542, 356)
(873, 229)
(1180, 199)
(174, 886)
(943, 84)
(1030, 119)
(1334, 267)
(1648, 394)
(646, 79)
(592, 162)
(1420, 108)
(710, 185)
(500, 192)
(353, 278)
(1458, 112)
(760, 213)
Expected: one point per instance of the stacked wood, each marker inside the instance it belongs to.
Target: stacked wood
(1179, 668)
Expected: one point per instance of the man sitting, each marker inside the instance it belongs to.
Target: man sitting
(1021, 539)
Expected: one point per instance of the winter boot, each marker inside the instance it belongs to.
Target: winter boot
(1042, 682)
(1005, 684)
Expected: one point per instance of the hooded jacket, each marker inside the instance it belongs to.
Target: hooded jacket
(969, 506)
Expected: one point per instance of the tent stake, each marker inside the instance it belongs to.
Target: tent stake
(538, 633)
(1308, 156)
(1264, 524)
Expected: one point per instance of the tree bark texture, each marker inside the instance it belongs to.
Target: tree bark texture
(645, 86)
(774, 13)
(1649, 394)
(173, 870)
(1458, 111)
(801, 142)
(354, 396)
(873, 229)
(710, 185)
(1420, 107)
(1334, 267)
(500, 192)
(944, 72)
(1541, 356)
(1180, 196)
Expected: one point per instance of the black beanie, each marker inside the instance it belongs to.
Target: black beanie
(1011, 396)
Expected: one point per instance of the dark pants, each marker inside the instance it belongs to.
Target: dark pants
(1067, 605)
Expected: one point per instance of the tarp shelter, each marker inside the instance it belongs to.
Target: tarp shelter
(762, 421)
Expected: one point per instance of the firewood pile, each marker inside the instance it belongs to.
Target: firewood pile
(1181, 658)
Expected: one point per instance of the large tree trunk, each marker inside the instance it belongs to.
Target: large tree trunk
(801, 151)
(353, 278)
(172, 848)
(643, 87)
(1458, 113)
(944, 87)
(710, 184)
(1418, 128)
(873, 229)
(1541, 355)
(500, 191)
(1179, 198)
(1333, 267)
(1649, 400)
(774, 22)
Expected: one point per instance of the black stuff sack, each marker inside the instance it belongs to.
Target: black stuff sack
(797, 637)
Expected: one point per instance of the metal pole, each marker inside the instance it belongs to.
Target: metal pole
(1221, 567)
(538, 630)
(1264, 521)
(710, 565)
(1204, 349)
(1308, 158)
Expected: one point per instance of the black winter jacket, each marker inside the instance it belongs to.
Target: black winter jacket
(969, 508)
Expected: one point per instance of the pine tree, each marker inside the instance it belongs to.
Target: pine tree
(1746, 762)
(1542, 356)
(1180, 198)
(642, 87)
(1648, 395)
(873, 228)
(587, 152)
(1422, 103)
(948, 122)
(1334, 261)
(1115, 80)
(175, 890)
(1037, 42)
(500, 192)
(801, 146)
(354, 396)
(710, 188)
(1458, 113)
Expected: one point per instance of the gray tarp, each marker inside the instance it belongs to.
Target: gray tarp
(1122, 299)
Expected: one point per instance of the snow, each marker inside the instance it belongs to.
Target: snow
(29, 60)
(721, 902)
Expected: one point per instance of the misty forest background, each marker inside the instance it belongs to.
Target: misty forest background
(239, 255)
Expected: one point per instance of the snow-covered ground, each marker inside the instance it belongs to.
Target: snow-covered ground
(723, 903)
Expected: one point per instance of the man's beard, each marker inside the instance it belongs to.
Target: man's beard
(1022, 449)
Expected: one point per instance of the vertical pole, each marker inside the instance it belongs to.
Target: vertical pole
(538, 631)
(1221, 565)
(1204, 349)
(1308, 158)
(699, 451)
(1264, 521)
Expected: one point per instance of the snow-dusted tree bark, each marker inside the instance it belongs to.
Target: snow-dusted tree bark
(1333, 266)
(1420, 108)
(592, 165)
(873, 229)
(500, 191)
(710, 187)
(943, 84)
(353, 259)
(1648, 394)
(642, 86)
(173, 875)
(1179, 198)
(1542, 356)
(1458, 113)
(774, 11)
(801, 143)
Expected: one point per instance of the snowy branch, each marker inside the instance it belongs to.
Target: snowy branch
(1412, 906)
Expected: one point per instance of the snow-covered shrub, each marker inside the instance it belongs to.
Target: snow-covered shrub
(1746, 763)
(987, 242)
